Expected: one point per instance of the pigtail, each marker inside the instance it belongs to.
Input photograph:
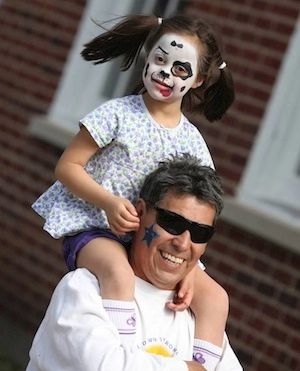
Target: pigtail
(216, 94)
(218, 97)
(125, 39)
(213, 97)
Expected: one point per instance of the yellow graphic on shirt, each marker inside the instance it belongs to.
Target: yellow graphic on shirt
(158, 349)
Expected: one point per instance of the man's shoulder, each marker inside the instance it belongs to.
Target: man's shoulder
(79, 280)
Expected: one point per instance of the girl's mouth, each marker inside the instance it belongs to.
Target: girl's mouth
(164, 89)
(160, 82)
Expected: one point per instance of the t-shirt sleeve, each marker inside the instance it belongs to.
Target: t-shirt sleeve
(103, 122)
(200, 148)
(206, 159)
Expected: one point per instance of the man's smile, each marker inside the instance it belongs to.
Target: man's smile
(171, 258)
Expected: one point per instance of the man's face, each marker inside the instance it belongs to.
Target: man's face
(164, 259)
(171, 68)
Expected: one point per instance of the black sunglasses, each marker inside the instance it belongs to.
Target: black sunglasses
(176, 224)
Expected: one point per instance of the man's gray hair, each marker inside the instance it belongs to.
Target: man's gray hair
(183, 174)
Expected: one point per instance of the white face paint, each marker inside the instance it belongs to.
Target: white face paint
(171, 68)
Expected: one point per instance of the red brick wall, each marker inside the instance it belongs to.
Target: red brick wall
(35, 38)
(255, 35)
(262, 278)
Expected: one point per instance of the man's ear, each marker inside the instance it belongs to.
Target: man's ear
(197, 84)
(141, 207)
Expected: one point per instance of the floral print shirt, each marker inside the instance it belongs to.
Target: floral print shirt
(132, 144)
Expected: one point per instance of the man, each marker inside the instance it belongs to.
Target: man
(177, 209)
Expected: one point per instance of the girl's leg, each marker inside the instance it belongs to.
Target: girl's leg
(107, 259)
(210, 306)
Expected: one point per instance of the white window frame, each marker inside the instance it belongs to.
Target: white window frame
(83, 86)
(268, 197)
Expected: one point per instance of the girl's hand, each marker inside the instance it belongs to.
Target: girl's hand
(183, 298)
(122, 215)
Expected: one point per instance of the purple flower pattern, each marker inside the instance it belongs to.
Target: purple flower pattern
(132, 320)
(132, 146)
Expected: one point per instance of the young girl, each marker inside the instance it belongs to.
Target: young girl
(119, 143)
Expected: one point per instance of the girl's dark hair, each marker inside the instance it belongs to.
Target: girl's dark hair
(131, 33)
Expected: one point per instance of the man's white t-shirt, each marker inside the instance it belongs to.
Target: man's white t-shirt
(76, 333)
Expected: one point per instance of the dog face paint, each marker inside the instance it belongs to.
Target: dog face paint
(171, 68)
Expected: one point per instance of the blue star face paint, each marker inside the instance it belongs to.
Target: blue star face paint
(150, 235)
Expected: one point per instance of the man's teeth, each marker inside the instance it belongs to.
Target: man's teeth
(172, 258)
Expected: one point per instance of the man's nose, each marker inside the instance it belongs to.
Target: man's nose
(164, 74)
(182, 241)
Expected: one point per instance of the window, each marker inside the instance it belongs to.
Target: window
(84, 86)
(270, 188)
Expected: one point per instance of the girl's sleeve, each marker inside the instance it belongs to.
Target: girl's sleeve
(103, 122)
(199, 148)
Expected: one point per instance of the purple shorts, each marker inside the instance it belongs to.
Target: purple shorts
(73, 244)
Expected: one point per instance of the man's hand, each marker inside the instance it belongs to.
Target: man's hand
(122, 215)
(194, 366)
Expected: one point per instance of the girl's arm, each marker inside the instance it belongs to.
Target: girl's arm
(210, 306)
(70, 171)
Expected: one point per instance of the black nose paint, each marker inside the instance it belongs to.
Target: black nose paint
(164, 74)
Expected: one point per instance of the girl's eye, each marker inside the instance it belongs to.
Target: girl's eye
(159, 59)
(179, 71)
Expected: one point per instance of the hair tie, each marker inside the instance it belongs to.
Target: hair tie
(222, 66)
(159, 20)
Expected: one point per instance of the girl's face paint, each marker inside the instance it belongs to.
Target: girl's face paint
(171, 68)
